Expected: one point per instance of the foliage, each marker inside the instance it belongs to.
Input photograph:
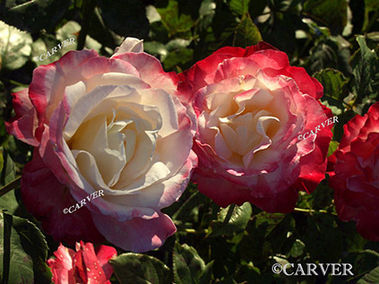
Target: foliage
(337, 41)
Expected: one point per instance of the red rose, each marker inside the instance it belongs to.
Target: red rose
(355, 175)
(82, 266)
(252, 109)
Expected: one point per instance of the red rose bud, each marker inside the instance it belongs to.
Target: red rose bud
(82, 266)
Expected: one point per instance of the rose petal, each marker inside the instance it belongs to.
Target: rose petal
(130, 44)
(138, 235)
(24, 124)
(46, 198)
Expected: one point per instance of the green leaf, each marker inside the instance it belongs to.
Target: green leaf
(223, 21)
(177, 54)
(332, 147)
(323, 195)
(334, 83)
(320, 234)
(365, 69)
(33, 240)
(332, 14)
(206, 14)
(206, 274)
(374, 36)
(9, 171)
(371, 6)
(159, 49)
(39, 47)
(181, 57)
(335, 106)
(35, 15)
(297, 248)
(15, 47)
(278, 236)
(8, 201)
(230, 220)
(21, 264)
(255, 245)
(156, 48)
(188, 266)
(246, 33)
(194, 198)
(69, 29)
(330, 52)
(177, 43)
(173, 21)
(35, 245)
(240, 7)
(371, 277)
(207, 8)
(140, 269)
(17, 150)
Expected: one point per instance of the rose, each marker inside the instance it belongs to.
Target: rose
(82, 266)
(112, 147)
(251, 107)
(354, 173)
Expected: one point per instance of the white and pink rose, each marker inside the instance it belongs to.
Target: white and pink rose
(110, 124)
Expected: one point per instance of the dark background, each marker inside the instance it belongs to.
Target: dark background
(335, 40)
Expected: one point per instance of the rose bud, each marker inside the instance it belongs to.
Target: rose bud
(82, 266)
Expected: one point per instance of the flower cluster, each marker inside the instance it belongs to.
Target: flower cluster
(124, 127)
